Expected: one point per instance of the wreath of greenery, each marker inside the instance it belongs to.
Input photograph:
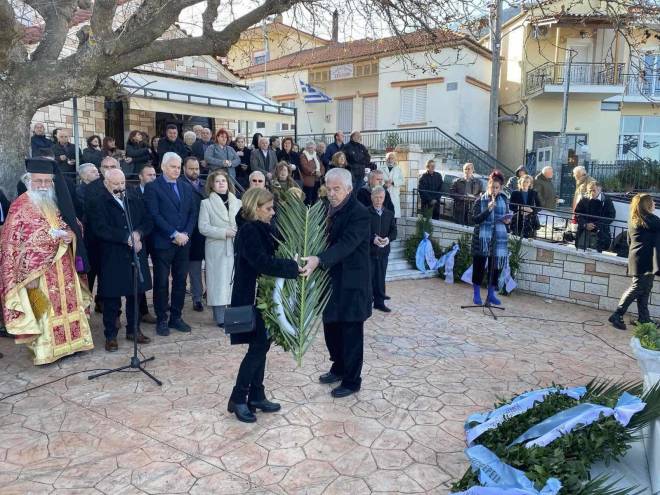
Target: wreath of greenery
(570, 457)
(648, 335)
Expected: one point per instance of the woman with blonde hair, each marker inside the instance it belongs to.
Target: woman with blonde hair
(217, 222)
(255, 256)
(338, 160)
(393, 177)
(282, 181)
(643, 259)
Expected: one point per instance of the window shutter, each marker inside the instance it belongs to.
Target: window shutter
(420, 104)
(369, 113)
(407, 105)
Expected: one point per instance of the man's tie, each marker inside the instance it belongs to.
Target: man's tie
(175, 190)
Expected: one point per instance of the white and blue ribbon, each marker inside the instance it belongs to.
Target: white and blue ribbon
(506, 280)
(425, 256)
(447, 260)
(522, 403)
(498, 478)
(579, 416)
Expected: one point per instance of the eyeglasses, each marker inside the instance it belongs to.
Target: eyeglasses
(257, 181)
(42, 182)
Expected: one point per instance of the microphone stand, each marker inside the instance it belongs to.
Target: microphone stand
(491, 268)
(135, 363)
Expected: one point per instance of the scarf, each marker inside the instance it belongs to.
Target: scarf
(501, 251)
(312, 156)
(333, 210)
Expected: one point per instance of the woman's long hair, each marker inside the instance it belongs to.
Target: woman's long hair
(640, 206)
(252, 199)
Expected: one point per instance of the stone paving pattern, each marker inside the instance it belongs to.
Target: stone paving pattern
(428, 365)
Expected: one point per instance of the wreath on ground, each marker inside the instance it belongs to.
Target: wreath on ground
(566, 460)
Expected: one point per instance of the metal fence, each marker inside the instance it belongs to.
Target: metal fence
(597, 74)
(550, 225)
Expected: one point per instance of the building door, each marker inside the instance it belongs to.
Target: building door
(582, 70)
(114, 121)
(345, 115)
(543, 158)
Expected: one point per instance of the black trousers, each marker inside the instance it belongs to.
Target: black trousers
(640, 291)
(172, 260)
(144, 307)
(111, 310)
(378, 271)
(345, 342)
(250, 380)
(479, 270)
(311, 193)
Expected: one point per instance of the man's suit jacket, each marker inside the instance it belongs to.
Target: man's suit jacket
(383, 225)
(261, 163)
(107, 220)
(170, 213)
(197, 241)
(135, 194)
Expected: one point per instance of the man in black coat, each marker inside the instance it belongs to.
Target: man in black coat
(333, 148)
(357, 159)
(146, 175)
(375, 179)
(199, 147)
(191, 171)
(109, 221)
(172, 144)
(64, 151)
(430, 187)
(347, 260)
(383, 232)
(170, 202)
(594, 215)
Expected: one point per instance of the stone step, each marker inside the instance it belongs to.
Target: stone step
(408, 274)
(398, 264)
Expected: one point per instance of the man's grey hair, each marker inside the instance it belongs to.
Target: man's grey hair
(340, 174)
(255, 173)
(109, 159)
(310, 143)
(580, 169)
(545, 169)
(170, 156)
(84, 168)
(263, 139)
(378, 190)
(374, 173)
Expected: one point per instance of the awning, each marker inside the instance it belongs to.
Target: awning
(157, 93)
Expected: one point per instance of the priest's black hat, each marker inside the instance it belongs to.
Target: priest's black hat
(40, 166)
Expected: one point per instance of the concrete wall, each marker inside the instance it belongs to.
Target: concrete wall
(558, 272)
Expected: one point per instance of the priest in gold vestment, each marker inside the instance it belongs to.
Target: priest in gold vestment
(44, 300)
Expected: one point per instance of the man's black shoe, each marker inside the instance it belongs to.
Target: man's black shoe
(329, 377)
(179, 325)
(198, 306)
(617, 321)
(264, 405)
(162, 329)
(341, 391)
(383, 308)
(386, 297)
(242, 412)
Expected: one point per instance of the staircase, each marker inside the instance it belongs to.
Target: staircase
(398, 267)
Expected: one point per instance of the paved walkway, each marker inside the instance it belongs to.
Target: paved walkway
(427, 365)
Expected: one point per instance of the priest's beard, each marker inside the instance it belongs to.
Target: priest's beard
(45, 200)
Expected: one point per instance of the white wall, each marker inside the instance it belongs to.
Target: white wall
(464, 110)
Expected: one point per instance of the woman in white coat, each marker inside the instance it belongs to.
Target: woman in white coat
(393, 181)
(217, 222)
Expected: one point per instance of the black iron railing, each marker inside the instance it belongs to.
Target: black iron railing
(553, 225)
(646, 84)
(429, 139)
(596, 74)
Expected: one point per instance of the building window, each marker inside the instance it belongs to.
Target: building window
(639, 138)
(318, 76)
(370, 113)
(452, 86)
(651, 80)
(261, 125)
(366, 69)
(413, 105)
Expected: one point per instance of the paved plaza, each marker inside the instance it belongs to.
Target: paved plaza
(428, 365)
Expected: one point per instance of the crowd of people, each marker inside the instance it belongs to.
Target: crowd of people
(199, 219)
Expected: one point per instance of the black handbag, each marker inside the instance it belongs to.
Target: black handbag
(241, 319)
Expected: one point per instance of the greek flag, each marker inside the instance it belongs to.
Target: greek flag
(313, 95)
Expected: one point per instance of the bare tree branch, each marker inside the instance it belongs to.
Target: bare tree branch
(57, 16)
(101, 21)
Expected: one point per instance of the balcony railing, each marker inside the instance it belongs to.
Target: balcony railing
(591, 74)
(646, 85)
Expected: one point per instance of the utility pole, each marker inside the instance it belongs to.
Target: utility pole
(495, 46)
(567, 87)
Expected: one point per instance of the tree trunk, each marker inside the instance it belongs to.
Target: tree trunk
(15, 117)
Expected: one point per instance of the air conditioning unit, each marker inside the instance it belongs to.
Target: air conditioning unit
(539, 32)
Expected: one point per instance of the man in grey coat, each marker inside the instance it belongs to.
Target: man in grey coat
(545, 189)
(264, 159)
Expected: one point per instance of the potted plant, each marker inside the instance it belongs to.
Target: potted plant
(391, 141)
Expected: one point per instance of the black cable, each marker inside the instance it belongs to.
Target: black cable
(583, 324)
(55, 381)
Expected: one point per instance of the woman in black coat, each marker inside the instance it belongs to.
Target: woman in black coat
(254, 250)
(93, 153)
(286, 154)
(138, 151)
(524, 203)
(643, 259)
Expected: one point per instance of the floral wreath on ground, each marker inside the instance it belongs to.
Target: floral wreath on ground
(544, 442)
